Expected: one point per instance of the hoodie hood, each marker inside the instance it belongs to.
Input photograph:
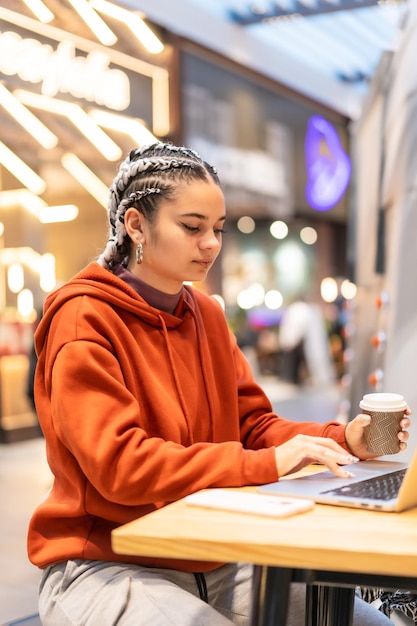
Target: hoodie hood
(98, 283)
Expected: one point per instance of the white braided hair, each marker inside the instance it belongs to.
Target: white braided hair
(139, 177)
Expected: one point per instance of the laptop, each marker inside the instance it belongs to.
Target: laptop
(378, 485)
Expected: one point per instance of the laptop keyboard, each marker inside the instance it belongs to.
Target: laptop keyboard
(384, 487)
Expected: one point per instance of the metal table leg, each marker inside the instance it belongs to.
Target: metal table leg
(271, 588)
(328, 605)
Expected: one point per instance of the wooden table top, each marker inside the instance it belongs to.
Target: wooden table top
(326, 538)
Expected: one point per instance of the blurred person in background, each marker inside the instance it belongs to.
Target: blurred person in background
(304, 345)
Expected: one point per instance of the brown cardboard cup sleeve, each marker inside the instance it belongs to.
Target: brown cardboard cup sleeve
(386, 411)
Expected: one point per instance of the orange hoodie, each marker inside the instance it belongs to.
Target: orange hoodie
(140, 408)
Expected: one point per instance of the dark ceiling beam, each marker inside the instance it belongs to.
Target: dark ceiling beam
(250, 16)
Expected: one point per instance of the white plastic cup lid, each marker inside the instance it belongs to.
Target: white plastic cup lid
(383, 402)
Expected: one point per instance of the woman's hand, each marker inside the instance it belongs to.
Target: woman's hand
(355, 434)
(301, 450)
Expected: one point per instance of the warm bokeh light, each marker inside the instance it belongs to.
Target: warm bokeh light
(252, 296)
(273, 299)
(328, 289)
(348, 290)
(244, 300)
(278, 229)
(246, 224)
(308, 235)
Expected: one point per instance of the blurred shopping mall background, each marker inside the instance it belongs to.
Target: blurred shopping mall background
(307, 109)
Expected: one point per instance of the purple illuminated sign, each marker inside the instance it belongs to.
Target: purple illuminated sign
(327, 164)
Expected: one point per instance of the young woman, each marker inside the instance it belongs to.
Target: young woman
(144, 397)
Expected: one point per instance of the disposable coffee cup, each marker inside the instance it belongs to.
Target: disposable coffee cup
(386, 411)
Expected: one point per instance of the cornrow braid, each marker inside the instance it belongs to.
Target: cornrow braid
(131, 169)
(145, 176)
(135, 196)
(115, 244)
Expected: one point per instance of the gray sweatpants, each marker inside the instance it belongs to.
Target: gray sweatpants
(97, 593)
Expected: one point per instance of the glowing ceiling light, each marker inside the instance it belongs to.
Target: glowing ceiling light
(40, 10)
(86, 178)
(20, 170)
(21, 197)
(94, 22)
(75, 114)
(38, 207)
(24, 255)
(160, 102)
(133, 21)
(15, 277)
(47, 277)
(55, 214)
(25, 303)
(26, 119)
(128, 125)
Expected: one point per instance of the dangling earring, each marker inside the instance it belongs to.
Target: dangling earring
(139, 253)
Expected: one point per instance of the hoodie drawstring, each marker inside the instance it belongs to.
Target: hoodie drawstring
(206, 375)
(176, 381)
(202, 586)
(203, 367)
